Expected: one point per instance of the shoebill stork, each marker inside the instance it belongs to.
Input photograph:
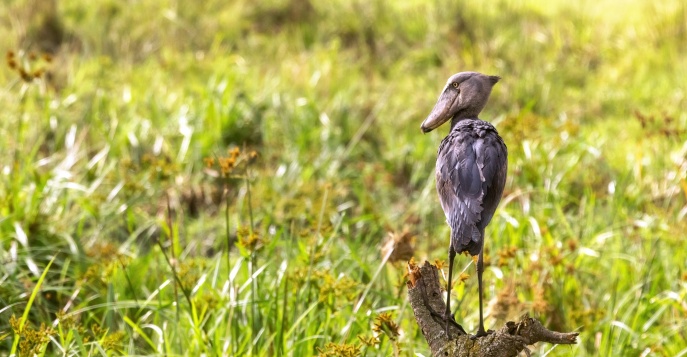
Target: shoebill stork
(470, 171)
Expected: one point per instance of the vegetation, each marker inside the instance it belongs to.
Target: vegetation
(229, 178)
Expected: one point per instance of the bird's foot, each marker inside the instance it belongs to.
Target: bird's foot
(450, 319)
(481, 333)
(446, 317)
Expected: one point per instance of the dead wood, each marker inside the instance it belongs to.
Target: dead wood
(425, 294)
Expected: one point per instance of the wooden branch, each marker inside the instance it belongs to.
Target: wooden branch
(425, 295)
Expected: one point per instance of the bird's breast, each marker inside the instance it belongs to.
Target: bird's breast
(467, 132)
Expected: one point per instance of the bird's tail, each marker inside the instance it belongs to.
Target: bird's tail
(468, 240)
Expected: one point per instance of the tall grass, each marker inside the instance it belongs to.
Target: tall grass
(117, 161)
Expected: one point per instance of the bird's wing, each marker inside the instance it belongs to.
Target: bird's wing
(469, 169)
(494, 166)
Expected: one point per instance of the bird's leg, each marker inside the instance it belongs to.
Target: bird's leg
(480, 269)
(447, 314)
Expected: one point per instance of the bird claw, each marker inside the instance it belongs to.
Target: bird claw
(481, 333)
(451, 320)
(448, 318)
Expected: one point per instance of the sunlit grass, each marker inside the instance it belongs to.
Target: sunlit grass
(222, 179)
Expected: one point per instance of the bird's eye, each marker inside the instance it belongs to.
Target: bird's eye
(454, 84)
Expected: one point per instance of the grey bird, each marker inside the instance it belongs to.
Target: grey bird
(470, 171)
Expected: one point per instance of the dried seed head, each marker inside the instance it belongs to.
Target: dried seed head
(384, 324)
(368, 340)
(26, 76)
(399, 246)
(413, 272)
(339, 350)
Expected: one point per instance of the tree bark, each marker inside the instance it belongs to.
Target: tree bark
(425, 295)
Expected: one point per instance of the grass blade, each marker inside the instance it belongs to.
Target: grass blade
(25, 315)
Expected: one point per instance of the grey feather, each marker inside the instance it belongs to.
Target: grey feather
(471, 173)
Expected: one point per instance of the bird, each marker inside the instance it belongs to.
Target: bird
(471, 169)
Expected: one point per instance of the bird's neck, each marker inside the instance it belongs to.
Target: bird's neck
(458, 118)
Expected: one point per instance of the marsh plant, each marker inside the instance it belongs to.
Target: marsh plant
(249, 178)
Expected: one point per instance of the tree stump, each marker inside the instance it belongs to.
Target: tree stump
(425, 294)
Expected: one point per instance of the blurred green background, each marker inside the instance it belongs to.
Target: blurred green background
(249, 177)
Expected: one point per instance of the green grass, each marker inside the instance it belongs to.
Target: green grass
(104, 174)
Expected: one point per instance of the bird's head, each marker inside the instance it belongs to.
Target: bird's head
(464, 96)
